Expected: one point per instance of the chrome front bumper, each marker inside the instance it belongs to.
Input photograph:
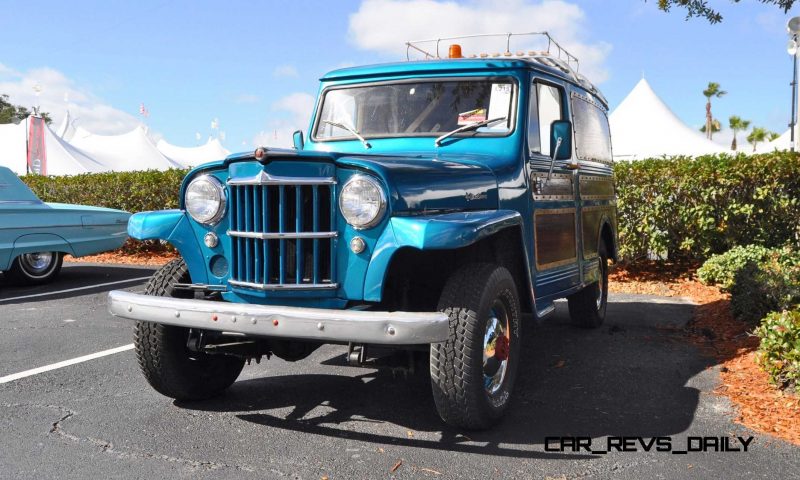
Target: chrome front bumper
(388, 328)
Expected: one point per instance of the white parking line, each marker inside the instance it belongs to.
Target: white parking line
(65, 363)
(87, 287)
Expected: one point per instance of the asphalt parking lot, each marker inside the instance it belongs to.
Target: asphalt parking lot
(634, 377)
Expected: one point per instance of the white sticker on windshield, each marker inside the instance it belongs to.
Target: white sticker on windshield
(499, 103)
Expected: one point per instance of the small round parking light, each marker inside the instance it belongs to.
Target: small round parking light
(357, 245)
(259, 153)
(211, 240)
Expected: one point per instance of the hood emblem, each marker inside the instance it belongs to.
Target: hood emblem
(476, 196)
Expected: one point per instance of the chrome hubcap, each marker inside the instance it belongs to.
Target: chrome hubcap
(600, 285)
(496, 348)
(37, 262)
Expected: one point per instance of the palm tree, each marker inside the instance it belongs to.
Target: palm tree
(737, 125)
(772, 136)
(713, 90)
(757, 135)
(715, 127)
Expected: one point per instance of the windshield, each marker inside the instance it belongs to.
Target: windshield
(429, 108)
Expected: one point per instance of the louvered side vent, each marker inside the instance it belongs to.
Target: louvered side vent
(282, 233)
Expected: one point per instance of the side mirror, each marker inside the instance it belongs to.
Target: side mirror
(560, 140)
(297, 137)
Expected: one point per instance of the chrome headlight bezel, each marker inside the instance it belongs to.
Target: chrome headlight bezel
(379, 214)
(222, 201)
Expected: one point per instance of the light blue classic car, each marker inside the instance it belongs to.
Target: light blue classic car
(34, 235)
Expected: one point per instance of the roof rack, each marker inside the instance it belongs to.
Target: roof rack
(555, 56)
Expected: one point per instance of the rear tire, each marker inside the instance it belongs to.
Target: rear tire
(587, 308)
(168, 365)
(35, 268)
(472, 373)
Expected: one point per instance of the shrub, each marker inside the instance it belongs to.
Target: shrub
(770, 286)
(129, 191)
(721, 269)
(779, 350)
(694, 208)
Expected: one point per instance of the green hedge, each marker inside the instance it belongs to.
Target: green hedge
(771, 285)
(689, 208)
(721, 270)
(693, 208)
(129, 191)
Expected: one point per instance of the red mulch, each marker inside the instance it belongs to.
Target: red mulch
(762, 406)
(144, 258)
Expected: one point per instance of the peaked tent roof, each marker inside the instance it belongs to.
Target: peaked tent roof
(65, 159)
(643, 126)
(784, 142)
(66, 130)
(193, 156)
(122, 153)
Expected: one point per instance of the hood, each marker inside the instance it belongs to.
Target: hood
(420, 182)
(430, 183)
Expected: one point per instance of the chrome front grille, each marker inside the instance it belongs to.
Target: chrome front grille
(282, 233)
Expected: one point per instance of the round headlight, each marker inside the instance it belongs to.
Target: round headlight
(205, 199)
(362, 202)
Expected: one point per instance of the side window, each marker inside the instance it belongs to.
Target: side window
(550, 110)
(592, 136)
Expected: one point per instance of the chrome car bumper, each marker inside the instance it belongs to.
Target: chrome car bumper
(388, 328)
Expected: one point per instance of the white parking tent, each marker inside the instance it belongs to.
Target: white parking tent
(14, 146)
(193, 156)
(122, 153)
(66, 130)
(643, 126)
(65, 159)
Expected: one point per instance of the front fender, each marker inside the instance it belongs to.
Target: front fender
(431, 232)
(171, 226)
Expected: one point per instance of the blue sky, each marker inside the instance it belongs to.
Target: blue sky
(255, 65)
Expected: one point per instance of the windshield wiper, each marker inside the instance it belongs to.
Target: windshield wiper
(351, 130)
(471, 126)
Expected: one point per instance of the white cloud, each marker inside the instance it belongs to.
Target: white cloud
(293, 112)
(59, 94)
(285, 71)
(385, 25)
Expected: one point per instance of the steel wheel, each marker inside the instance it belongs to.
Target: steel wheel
(495, 348)
(36, 267)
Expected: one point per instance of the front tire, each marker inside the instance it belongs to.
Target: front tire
(168, 365)
(473, 372)
(35, 268)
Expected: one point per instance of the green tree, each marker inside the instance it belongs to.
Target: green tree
(700, 8)
(773, 136)
(713, 91)
(737, 125)
(10, 113)
(757, 135)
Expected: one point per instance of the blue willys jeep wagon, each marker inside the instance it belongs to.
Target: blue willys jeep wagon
(432, 204)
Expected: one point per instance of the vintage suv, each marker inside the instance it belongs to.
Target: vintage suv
(434, 203)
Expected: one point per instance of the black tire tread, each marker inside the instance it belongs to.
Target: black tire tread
(160, 350)
(456, 387)
(582, 305)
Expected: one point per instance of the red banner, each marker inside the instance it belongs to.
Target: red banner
(37, 153)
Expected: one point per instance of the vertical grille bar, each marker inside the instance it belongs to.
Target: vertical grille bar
(315, 220)
(282, 229)
(298, 227)
(248, 227)
(265, 243)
